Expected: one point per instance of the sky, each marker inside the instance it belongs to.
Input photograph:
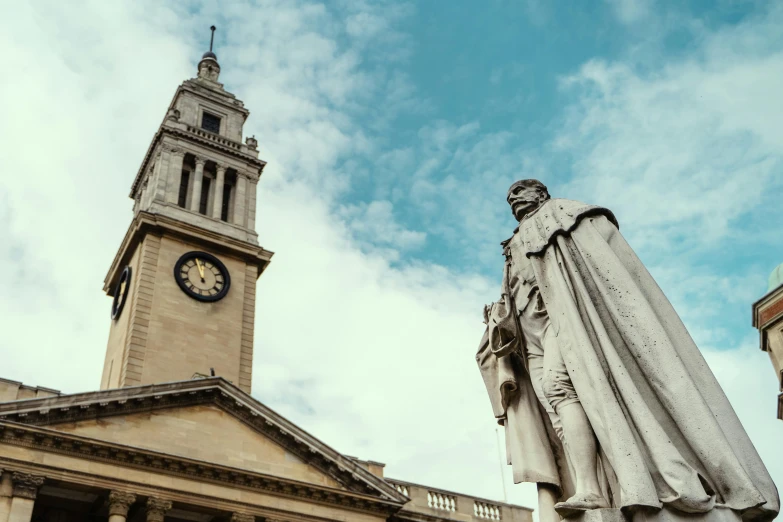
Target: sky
(392, 131)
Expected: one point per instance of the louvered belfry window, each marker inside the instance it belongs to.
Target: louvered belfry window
(210, 122)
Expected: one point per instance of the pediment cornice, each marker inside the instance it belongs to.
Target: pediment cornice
(50, 411)
(53, 441)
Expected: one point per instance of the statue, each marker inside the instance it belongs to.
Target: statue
(605, 399)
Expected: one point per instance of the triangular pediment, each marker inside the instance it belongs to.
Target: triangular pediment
(206, 420)
(202, 432)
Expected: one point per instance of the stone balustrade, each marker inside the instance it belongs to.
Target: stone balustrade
(442, 501)
(217, 138)
(455, 506)
(486, 510)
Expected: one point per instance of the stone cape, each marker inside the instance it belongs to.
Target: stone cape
(667, 433)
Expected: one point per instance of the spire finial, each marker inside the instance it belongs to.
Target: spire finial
(208, 67)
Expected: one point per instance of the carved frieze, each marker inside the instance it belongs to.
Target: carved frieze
(171, 149)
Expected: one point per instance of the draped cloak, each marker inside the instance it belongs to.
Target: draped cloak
(667, 433)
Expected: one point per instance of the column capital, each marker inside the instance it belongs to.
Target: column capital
(120, 502)
(157, 508)
(220, 167)
(26, 484)
(243, 517)
(200, 161)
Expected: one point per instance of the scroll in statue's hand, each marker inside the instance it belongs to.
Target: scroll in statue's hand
(503, 328)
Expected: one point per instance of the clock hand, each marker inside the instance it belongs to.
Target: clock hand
(200, 269)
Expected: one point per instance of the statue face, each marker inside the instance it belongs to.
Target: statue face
(524, 200)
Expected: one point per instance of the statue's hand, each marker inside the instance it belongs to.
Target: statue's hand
(487, 308)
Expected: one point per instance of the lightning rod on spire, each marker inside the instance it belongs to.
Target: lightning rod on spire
(212, 38)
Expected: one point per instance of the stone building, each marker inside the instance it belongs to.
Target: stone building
(173, 434)
(768, 318)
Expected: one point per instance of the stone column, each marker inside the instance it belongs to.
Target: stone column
(156, 509)
(195, 196)
(243, 517)
(6, 495)
(119, 503)
(239, 200)
(251, 202)
(174, 176)
(25, 490)
(217, 202)
(146, 198)
(160, 180)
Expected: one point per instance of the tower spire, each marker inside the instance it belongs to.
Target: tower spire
(208, 67)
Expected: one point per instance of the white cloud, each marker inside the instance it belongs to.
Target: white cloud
(384, 369)
(375, 223)
(630, 11)
(684, 152)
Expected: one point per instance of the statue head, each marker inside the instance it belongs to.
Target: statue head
(526, 195)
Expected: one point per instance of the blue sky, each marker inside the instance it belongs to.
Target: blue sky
(392, 131)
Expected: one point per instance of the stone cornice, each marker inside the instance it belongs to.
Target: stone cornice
(53, 441)
(145, 222)
(142, 488)
(767, 311)
(217, 391)
(771, 296)
(405, 514)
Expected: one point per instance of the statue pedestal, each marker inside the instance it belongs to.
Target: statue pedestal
(600, 515)
(717, 514)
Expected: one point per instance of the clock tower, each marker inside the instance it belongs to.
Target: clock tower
(183, 281)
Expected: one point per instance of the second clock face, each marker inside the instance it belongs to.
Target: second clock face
(202, 276)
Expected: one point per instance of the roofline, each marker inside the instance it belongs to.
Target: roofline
(51, 440)
(37, 411)
(29, 387)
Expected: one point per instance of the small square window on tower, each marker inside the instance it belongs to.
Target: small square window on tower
(210, 122)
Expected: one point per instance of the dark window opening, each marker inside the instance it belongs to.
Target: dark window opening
(210, 122)
(205, 183)
(225, 202)
(182, 198)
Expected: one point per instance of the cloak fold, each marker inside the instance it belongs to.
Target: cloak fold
(664, 425)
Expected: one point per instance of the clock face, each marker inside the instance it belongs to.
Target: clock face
(202, 276)
(121, 292)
